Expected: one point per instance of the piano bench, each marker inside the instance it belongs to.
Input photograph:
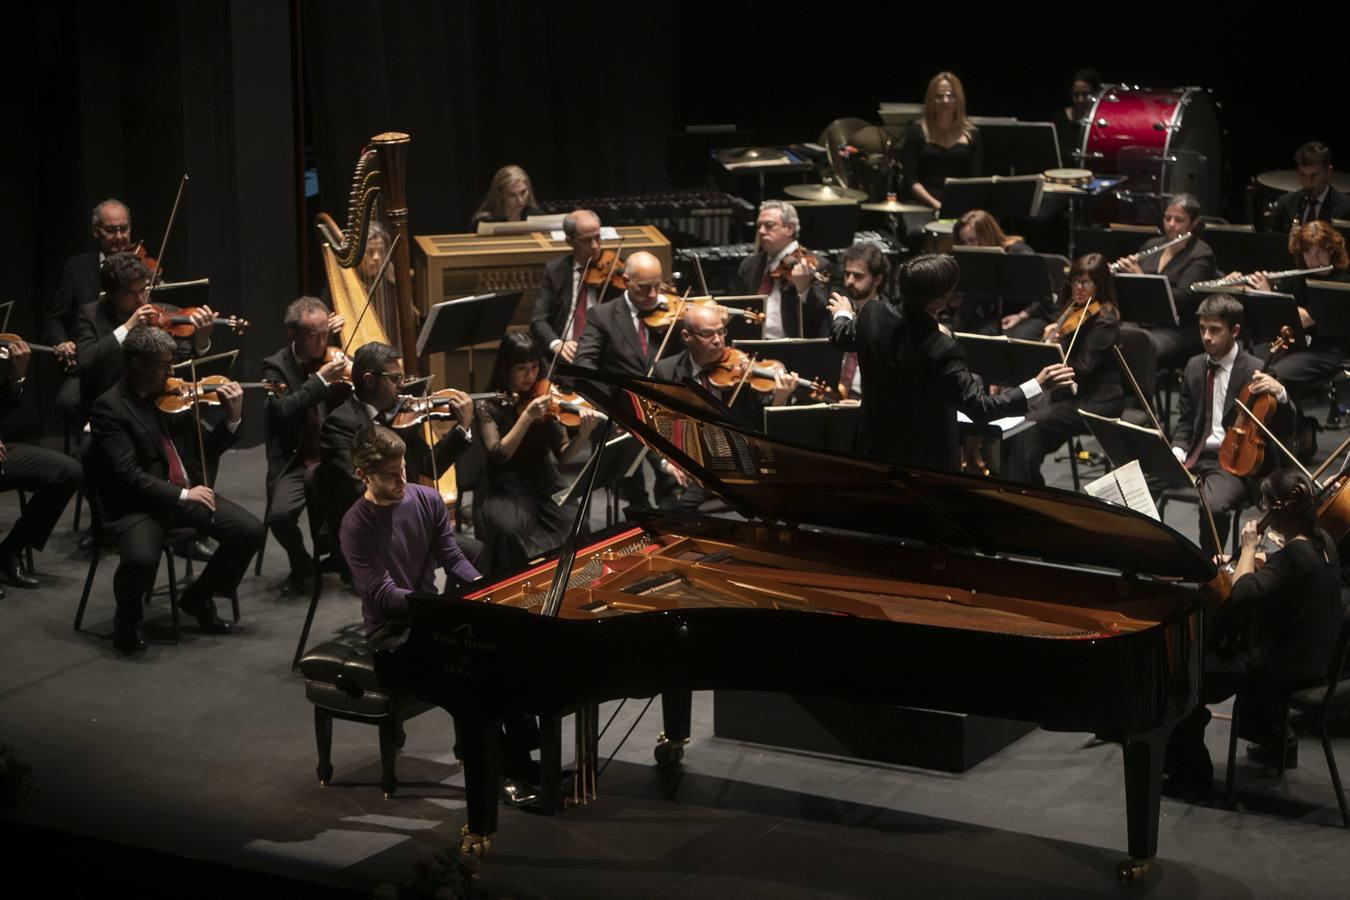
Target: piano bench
(340, 681)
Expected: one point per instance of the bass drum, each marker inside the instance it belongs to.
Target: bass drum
(1165, 141)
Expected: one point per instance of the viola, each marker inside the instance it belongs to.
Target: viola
(178, 322)
(606, 268)
(1243, 450)
(180, 395)
(670, 309)
(737, 366)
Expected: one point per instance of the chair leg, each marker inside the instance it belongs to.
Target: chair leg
(389, 729)
(28, 551)
(1335, 774)
(323, 739)
(88, 585)
(1232, 754)
(267, 511)
(173, 592)
(309, 616)
(1073, 463)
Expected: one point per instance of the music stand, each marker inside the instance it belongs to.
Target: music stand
(215, 364)
(1011, 147)
(999, 359)
(831, 223)
(1328, 302)
(811, 358)
(467, 322)
(1004, 196)
(8, 307)
(827, 426)
(1123, 442)
(1240, 248)
(1266, 313)
(1110, 243)
(1146, 300)
(613, 463)
(987, 271)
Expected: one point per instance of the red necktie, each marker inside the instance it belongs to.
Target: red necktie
(766, 283)
(641, 333)
(1206, 420)
(848, 370)
(176, 474)
(579, 315)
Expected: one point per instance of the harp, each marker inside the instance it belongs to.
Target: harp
(380, 177)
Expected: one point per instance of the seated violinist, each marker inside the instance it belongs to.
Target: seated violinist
(781, 269)
(102, 326)
(313, 379)
(146, 468)
(1087, 327)
(377, 376)
(617, 337)
(559, 319)
(1207, 407)
(524, 442)
(1274, 634)
(707, 360)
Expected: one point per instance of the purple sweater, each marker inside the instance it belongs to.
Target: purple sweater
(392, 552)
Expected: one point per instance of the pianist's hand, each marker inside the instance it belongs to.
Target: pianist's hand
(1054, 376)
(675, 472)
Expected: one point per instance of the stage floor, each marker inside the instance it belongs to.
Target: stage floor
(206, 750)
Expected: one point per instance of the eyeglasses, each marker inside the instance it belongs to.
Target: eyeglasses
(1083, 282)
(397, 377)
(115, 229)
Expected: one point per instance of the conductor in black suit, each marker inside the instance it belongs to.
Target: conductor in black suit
(293, 418)
(79, 286)
(102, 326)
(1317, 200)
(1208, 405)
(377, 376)
(796, 304)
(915, 374)
(554, 326)
(149, 476)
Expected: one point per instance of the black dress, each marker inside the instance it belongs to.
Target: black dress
(930, 164)
(1322, 357)
(516, 515)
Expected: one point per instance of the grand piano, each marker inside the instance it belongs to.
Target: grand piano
(850, 578)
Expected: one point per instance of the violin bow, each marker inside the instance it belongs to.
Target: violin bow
(749, 367)
(370, 292)
(1327, 462)
(576, 301)
(1196, 483)
(164, 242)
(1276, 441)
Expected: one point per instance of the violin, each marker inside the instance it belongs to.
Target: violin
(732, 368)
(331, 353)
(1075, 315)
(67, 362)
(801, 255)
(180, 395)
(564, 406)
(1243, 450)
(178, 322)
(606, 268)
(414, 410)
(670, 309)
(149, 261)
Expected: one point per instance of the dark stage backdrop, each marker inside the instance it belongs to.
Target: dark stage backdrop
(120, 100)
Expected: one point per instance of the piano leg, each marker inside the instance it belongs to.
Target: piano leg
(1143, 800)
(479, 746)
(550, 763)
(676, 706)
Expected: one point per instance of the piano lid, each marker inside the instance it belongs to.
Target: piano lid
(764, 478)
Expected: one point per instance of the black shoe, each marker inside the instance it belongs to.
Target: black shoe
(12, 573)
(128, 641)
(297, 585)
(518, 793)
(203, 609)
(1269, 756)
(202, 550)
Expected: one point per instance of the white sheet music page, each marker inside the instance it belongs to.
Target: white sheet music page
(1125, 486)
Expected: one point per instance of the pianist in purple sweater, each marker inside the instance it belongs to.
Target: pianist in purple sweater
(396, 534)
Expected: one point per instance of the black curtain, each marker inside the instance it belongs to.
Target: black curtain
(576, 93)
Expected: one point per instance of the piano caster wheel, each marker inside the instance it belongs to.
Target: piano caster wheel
(471, 844)
(1128, 871)
(325, 775)
(667, 752)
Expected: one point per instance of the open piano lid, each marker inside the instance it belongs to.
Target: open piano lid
(769, 479)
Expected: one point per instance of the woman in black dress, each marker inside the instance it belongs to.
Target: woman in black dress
(516, 514)
(1184, 265)
(1275, 635)
(1087, 338)
(510, 198)
(940, 145)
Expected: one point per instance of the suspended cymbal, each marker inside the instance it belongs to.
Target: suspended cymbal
(823, 192)
(895, 206)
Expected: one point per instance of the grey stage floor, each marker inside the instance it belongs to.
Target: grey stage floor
(206, 750)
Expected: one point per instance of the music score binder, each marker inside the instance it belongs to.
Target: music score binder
(1124, 442)
(1328, 302)
(1146, 299)
(989, 272)
(1003, 196)
(1239, 248)
(1003, 360)
(1265, 313)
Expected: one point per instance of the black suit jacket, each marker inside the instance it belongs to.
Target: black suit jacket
(1194, 263)
(130, 468)
(79, 286)
(1191, 405)
(749, 406)
(914, 380)
(815, 319)
(287, 413)
(610, 342)
(552, 301)
(1289, 207)
(341, 425)
(100, 354)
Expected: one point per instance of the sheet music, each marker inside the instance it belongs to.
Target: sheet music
(1125, 486)
(1005, 424)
